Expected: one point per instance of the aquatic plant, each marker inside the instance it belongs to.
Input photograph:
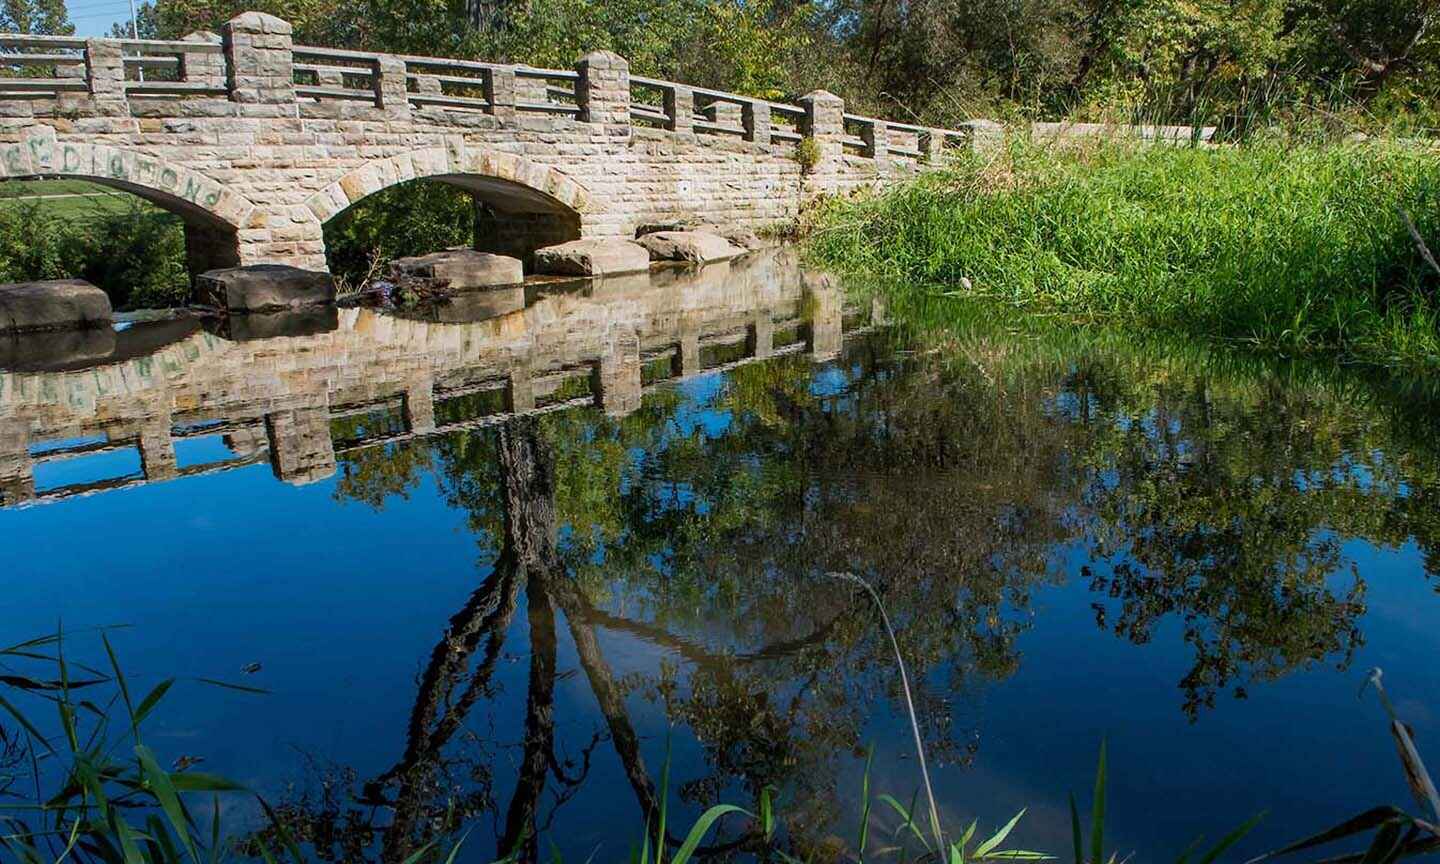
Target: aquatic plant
(1396, 833)
(113, 809)
(108, 807)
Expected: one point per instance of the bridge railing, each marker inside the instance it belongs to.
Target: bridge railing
(322, 74)
(51, 67)
(41, 67)
(257, 66)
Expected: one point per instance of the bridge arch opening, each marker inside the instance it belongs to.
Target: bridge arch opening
(445, 211)
(429, 200)
(141, 245)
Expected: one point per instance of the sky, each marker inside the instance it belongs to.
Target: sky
(94, 17)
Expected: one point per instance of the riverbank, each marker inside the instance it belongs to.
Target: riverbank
(1286, 247)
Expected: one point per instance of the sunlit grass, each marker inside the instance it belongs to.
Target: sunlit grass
(1282, 246)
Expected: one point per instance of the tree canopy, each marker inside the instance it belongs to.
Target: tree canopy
(938, 60)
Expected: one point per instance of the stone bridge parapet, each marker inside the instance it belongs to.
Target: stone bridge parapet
(257, 142)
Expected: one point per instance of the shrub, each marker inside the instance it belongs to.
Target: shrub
(409, 219)
(807, 153)
(135, 253)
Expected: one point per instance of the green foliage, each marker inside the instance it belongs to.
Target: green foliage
(39, 17)
(1279, 245)
(136, 253)
(1097, 829)
(938, 61)
(807, 154)
(107, 808)
(409, 219)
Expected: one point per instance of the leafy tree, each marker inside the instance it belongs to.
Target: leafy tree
(38, 17)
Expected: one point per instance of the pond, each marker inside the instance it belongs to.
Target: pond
(522, 555)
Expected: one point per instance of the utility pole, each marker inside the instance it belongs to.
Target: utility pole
(135, 34)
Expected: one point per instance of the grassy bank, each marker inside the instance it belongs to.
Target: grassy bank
(1282, 246)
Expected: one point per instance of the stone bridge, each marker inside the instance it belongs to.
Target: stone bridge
(256, 143)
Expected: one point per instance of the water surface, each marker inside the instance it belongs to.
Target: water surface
(508, 555)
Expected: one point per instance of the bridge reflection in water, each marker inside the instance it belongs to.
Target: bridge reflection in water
(271, 387)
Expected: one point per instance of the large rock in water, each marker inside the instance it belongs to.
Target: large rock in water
(592, 258)
(696, 247)
(59, 304)
(462, 268)
(264, 288)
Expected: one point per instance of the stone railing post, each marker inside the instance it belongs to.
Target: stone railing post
(262, 60)
(679, 108)
(687, 352)
(615, 380)
(501, 92)
(985, 135)
(157, 448)
(824, 123)
(520, 392)
(204, 68)
(825, 334)
(419, 405)
(931, 143)
(876, 135)
(603, 92)
(760, 335)
(300, 447)
(755, 117)
(17, 468)
(390, 90)
(105, 68)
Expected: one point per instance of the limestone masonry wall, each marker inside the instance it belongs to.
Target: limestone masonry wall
(257, 142)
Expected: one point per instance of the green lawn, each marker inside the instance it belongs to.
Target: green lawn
(70, 199)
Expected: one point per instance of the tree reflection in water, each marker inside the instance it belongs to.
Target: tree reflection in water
(957, 482)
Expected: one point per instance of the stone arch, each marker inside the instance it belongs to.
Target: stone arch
(212, 213)
(520, 204)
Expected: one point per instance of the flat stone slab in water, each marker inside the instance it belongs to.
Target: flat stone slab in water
(462, 268)
(592, 258)
(264, 287)
(57, 304)
(696, 247)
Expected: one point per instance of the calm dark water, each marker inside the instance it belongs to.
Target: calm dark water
(1194, 558)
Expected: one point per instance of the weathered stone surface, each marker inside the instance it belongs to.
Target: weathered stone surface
(697, 247)
(59, 304)
(264, 287)
(461, 268)
(592, 258)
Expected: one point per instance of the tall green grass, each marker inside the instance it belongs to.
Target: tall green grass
(1286, 246)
